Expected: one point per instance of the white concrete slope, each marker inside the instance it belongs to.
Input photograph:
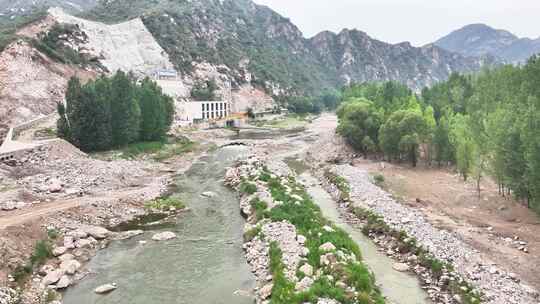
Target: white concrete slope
(127, 46)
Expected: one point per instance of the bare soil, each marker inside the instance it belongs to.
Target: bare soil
(492, 224)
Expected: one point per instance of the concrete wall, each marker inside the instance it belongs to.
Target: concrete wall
(189, 112)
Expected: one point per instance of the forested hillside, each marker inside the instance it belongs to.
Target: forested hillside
(486, 124)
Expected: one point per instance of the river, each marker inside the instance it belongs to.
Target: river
(206, 264)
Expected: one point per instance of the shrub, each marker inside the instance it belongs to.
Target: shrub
(378, 179)
(53, 234)
(248, 188)
(260, 208)
(42, 252)
(165, 204)
(251, 234)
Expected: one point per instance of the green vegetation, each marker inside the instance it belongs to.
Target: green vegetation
(165, 204)
(378, 179)
(341, 184)
(259, 207)
(309, 222)
(248, 187)
(204, 91)
(483, 125)
(159, 150)
(375, 224)
(42, 252)
(53, 44)
(252, 233)
(9, 28)
(384, 118)
(114, 112)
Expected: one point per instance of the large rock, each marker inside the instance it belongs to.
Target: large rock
(70, 266)
(85, 243)
(402, 267)
(97, 232)
(52, 277)
(58, 251)
(77, 234)
(64, 282)
(266, 291)
(66, 257)
(105, 288)
(327, 247)
(209, 194)
(307, 270)
(54, 186)
(164, 236)
(304, 284)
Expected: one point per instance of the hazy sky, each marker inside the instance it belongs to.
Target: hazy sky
(417, 21)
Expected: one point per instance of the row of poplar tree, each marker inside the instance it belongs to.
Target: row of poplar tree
(112, 112)
(487, 124)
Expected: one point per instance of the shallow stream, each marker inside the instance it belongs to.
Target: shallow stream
(205, 264)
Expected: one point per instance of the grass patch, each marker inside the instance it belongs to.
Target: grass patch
(248, 187)
(306, 216)
(42, 252)
(136, 149)
(180, 147)
(260, 208)
(378, 179)
(165, 204)
(252, 233)
(53, 234)
(160, 150)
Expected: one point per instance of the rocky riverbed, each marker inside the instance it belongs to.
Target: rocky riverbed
(499, 286)
(310, 262)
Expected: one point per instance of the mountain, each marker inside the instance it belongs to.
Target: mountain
(251, 43)
(355, 56)
(239, 33)
(480, 39)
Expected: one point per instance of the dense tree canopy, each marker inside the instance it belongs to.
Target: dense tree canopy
(484, 124)
(113, 112)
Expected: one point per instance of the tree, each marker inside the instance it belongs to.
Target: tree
(62, 125)
(126, 113)
(462, 140)
(442, 147)
(358, 121)
(154, 111)
(204, 90)
(402, 134)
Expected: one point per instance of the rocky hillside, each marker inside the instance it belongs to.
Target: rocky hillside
(260, 46)
(480, 39)
(250, 50)
(352, 55)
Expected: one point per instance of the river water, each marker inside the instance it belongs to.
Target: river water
(205, 264)
(397, 287)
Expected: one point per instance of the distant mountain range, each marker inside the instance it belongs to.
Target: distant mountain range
(480, 39)
(258, 45)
